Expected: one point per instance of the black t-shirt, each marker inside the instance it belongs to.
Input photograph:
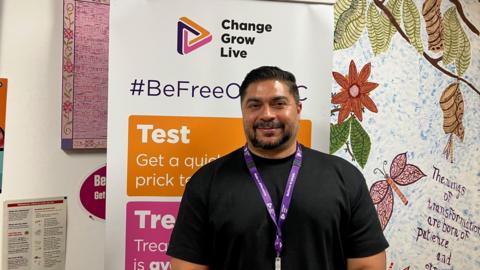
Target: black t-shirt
(223, 221)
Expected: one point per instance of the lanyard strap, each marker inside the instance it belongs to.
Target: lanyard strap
(287, 195)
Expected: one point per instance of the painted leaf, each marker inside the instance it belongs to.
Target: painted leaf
(349, 21)
(394, 6)
(451, 102)
(411, 22)
(376, 32)
(360, 142)
(463, 61)
(433, 24)
(385, 209)
(339, 135)
(398, 165)
(409, 175)
(452, 34)
(378, 190)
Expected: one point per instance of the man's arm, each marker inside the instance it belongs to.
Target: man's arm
(374, 262)
(178, 264)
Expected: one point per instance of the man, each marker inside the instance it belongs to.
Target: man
(275, 204)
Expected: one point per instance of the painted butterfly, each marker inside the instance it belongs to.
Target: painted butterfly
(401, 174)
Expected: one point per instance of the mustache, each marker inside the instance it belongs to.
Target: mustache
(268, 124)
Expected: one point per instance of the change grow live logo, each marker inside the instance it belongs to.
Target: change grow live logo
(187, 43)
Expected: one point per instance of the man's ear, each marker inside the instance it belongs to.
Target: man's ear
(299, 107)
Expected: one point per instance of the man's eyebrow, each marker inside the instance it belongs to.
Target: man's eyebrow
(278, 98)
(252, 99)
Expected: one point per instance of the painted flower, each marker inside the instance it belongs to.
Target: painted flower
(354, 95)
(68, 33)
(67, 106)
(68, 66)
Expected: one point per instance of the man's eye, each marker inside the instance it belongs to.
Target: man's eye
(253, 105)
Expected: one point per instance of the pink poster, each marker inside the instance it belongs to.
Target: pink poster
(85, 74)
(93, 193)
(149, 226)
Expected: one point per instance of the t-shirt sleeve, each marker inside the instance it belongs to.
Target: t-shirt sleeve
(190, 239)
(365, 235)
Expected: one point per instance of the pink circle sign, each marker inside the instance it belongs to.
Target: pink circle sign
(93, 191)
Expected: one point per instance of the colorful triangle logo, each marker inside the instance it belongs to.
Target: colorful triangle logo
(187, 43)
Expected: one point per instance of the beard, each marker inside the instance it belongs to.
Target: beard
(286, 135)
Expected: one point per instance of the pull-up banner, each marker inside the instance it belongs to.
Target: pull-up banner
(175, 70)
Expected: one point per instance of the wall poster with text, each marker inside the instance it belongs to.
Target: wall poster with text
(34, 234)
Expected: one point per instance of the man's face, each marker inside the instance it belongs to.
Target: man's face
(270, 115)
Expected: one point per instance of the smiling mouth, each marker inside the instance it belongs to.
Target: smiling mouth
(271, 125)
(267, 132)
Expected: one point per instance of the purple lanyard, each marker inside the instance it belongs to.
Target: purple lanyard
(287, 196)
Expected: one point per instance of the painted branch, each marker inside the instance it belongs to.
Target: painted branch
(434, 63)
(431, 60)
(334, 111)
(349, 151)
(464, 18)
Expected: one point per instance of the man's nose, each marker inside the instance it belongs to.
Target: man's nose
(267, 113)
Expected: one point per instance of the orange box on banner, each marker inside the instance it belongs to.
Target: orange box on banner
(165, 151)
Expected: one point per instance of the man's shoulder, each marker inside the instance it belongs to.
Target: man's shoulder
(226, 160)
(203, 177)
(317, 161)
(324, 158)
(233, 156)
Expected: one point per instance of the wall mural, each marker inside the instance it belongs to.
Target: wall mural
(405, 108)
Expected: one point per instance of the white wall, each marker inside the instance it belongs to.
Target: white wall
(34, 164)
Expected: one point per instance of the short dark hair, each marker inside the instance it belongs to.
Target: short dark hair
(270, 73)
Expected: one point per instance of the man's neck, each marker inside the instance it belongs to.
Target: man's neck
(273, 153)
